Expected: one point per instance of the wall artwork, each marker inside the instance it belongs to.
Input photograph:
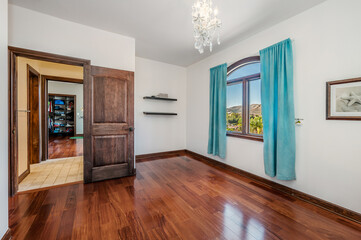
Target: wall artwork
(344, 99)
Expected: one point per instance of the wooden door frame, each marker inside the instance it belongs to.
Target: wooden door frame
(44, 107)
(13, 53)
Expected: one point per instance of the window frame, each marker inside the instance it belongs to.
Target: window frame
(245, 101)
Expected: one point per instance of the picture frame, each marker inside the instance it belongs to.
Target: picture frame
(343, 99)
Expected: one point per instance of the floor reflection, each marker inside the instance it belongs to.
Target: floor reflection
(236, 223)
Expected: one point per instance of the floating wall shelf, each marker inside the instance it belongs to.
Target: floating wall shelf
(159, 113)
(159, 98)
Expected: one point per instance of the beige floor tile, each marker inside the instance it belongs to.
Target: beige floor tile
(53, 172)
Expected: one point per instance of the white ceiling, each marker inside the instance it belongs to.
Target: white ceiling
(163, 28)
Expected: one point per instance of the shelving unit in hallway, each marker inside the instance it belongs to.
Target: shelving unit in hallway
(61, 109)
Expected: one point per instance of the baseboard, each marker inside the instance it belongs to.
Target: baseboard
(23, 175)
(7, 235)
(336, 209)
(159, 155)
(333, 208)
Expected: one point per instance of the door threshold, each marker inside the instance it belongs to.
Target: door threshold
(50, 187)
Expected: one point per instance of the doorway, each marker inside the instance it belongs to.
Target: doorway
(108, 118)
(65, 114)
(50, 144)
(16, 123)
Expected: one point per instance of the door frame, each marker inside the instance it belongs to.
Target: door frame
(13, 53)
(44, 107)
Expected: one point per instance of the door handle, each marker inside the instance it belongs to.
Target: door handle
(131, 129)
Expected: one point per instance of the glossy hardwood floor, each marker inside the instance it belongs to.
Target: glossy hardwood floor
(64, 147)
(174, 198)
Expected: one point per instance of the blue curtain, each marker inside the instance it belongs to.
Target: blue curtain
(217, 111)
(278, 110)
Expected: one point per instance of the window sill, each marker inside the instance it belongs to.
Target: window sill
(249, 137)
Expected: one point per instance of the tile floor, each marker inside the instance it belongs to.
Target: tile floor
(53, 172)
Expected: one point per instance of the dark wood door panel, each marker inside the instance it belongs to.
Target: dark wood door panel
(109, 120)
(110, 172)
(110, 129)
(34, 116)
(110, 150)
(110, 105)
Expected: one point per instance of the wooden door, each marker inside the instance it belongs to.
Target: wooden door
(108, 124)
(34, 140)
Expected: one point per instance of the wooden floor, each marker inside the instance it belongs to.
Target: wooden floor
(174, 198)
(64, 147)
(52, 173)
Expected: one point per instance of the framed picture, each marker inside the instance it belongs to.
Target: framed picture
(344, 99)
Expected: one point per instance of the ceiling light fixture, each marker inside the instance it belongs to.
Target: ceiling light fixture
(205, 23)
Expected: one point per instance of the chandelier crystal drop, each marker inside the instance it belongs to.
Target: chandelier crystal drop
(206, 24)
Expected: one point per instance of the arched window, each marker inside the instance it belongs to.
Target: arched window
(244, 111)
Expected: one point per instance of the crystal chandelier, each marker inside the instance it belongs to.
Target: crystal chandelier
(206, 24)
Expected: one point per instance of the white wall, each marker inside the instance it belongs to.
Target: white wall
(38, 31)
(326, 47)
(4, 118)
(71, 89)
(159, 133)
